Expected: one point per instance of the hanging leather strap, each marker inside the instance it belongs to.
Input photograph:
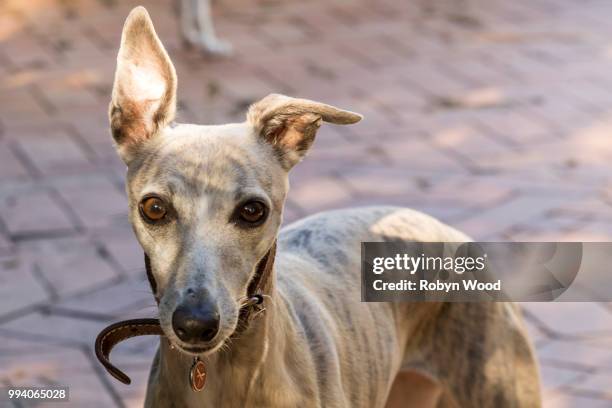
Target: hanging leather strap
(116, 333)
(260, 285)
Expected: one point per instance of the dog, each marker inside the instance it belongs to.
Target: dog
(198, 29)
(206, 205)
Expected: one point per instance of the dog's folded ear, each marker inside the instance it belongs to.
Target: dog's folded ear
(144, 92)
(290, 124)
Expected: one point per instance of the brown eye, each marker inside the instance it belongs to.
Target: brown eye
(153, 209)
(253, 213)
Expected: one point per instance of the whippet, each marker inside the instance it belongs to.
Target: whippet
(206, 204)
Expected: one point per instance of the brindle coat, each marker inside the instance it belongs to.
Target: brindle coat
(316, 345)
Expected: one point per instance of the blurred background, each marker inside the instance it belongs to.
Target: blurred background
(495, 116)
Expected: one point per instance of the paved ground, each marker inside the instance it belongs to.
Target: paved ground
(495, 116)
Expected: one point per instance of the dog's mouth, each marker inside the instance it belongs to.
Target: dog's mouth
(199, 350)
(195, 349)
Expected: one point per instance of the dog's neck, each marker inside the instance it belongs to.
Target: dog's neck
(246, 367)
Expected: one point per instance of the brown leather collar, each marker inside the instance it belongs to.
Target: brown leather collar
(260, 285)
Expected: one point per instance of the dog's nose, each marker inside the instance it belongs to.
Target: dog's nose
(195, 322)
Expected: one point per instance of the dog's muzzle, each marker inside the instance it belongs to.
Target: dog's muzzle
(110, 336)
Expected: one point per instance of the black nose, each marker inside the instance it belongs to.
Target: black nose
(195, 321)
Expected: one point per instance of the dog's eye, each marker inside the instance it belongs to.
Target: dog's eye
(253, 213)
(153, 209)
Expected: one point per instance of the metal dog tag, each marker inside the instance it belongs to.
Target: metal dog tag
(197, 375)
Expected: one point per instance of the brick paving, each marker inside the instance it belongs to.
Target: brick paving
(492, 115)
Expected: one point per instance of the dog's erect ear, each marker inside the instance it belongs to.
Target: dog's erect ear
(290, 124)
(144, 92)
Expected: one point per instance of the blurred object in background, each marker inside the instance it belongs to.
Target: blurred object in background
(198, 29)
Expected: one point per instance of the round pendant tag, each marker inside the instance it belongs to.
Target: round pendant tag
(197, 375)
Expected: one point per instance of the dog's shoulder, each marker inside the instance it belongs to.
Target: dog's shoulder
(326, 247)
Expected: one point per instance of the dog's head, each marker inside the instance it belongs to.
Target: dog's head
(205, 202)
